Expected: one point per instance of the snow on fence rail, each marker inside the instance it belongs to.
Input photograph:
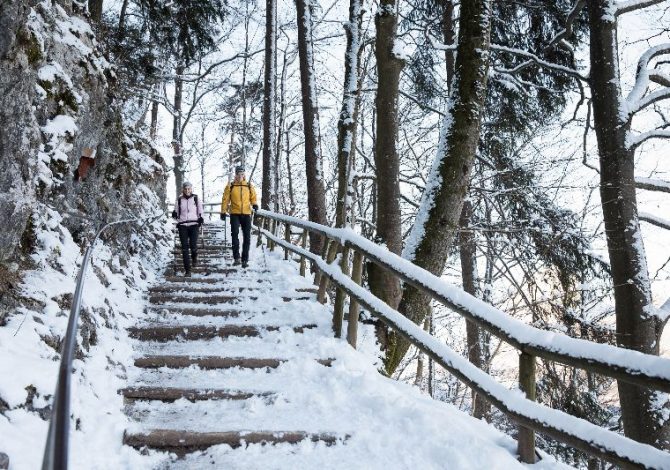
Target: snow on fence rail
(631, 366)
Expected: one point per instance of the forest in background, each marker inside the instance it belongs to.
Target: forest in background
(515, 148)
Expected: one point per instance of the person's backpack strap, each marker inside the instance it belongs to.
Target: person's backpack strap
(179, 207)
(195, 199)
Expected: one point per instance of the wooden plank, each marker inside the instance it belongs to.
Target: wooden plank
(356, 276)
(169, 394)
(526, 438)
(182, 442)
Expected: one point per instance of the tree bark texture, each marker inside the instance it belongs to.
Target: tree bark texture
(316, 190)
(177, 131)
(95, 9)
(268, 192)
(387, 162)
(636, 326)
(346, 126)
(442, 202)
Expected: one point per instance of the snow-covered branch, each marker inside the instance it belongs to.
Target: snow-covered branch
(659, 77)
(535, 59)
(636, 100)
(650, 99)
(653, 220)
(635, 140)
(651, 184)
(634, 5)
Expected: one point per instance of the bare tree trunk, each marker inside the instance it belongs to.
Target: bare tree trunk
(95, 9)
(468, 253)
(153, 126)
(289, 174)
(316, 190)
(387, 162)
(122, 20)
(177, 131)
(346, 126)
(636, 326)
(268, 194)
(438, 218)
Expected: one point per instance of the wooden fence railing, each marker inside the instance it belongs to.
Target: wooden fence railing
(647, 371)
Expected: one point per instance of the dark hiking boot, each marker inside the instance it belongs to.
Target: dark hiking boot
(236, 262)
(194, 260)
(245, 264)
(187, 274)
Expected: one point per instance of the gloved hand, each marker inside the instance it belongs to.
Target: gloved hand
(255, 206)
(201, 220)
(174, 214)
(223, 216)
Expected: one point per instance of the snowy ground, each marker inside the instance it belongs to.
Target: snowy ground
(383, 423)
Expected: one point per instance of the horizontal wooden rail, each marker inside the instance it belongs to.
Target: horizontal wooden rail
(648, 371)
(576, 432)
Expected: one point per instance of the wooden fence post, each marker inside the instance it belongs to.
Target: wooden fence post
(287, 238)
(323, 280)
(303, 244)
(317, 271)
(526, 439)
(260, 224)
(338, 310)
(271, 244)
(356, 276)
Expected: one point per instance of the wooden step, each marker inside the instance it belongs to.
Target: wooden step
(203, 288)
(182, 442)
(213, 362)
(195, 332)
(162, 298)
(208, 280)
(169, 394)
(198, 312)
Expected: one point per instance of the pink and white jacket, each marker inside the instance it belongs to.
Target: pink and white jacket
(187, 211)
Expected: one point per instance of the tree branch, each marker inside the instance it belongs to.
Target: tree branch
(633, 5)
(535, 59)
(653, 220)
(634, 141)
(651, 184)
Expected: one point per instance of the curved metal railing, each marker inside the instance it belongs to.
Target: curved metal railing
(57, 445)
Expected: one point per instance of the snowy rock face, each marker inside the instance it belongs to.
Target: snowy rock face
(18, 129)
(57, 93)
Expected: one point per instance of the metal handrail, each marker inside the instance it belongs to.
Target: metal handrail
(56, 449)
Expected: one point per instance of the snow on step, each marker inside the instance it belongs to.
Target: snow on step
(226, 396)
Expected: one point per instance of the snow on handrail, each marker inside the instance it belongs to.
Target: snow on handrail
(623, 364)
(571, 430)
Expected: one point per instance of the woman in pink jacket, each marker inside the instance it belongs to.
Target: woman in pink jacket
(188, 212)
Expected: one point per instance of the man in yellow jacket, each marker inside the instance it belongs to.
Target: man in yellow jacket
(239, 198)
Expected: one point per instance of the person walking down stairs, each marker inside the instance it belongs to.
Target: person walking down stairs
(188, 212)
(239, 198)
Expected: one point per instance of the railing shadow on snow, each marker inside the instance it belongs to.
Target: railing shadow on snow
(651, 372)
(57, 445)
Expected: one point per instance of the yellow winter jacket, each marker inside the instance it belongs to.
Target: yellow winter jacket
(238, 198)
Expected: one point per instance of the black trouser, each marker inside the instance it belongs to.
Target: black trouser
(237, 220)
(188, 236)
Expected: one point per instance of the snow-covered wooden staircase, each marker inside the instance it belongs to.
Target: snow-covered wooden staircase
(187, 365)
(239, 368)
